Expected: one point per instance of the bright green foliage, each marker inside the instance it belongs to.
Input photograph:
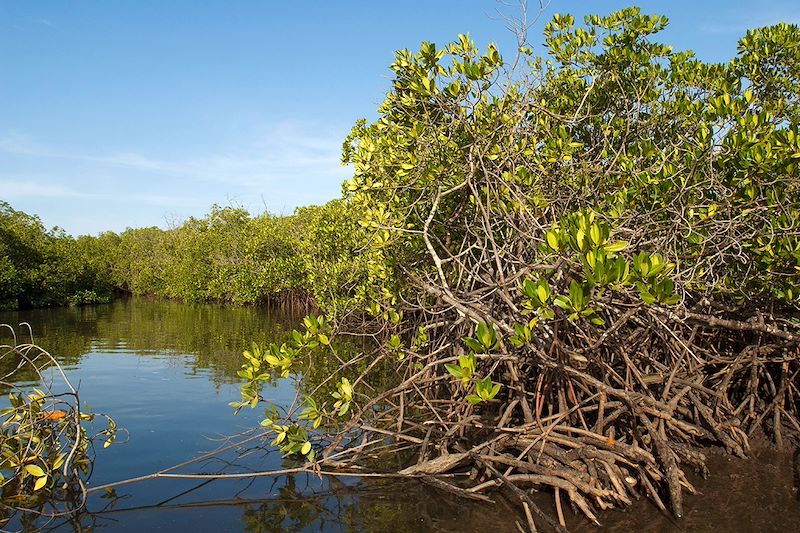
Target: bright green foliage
(485, 339)
(335, 269)
(291, 439)
(465, 369)
(313, 412)
(291, 430)
(395, 346)
(229, 256)
(523, 333)
(260, 364)
(41, 268)
(613, 170)
(485, 390)
(343, 395)
(46, 444)
(702, 156)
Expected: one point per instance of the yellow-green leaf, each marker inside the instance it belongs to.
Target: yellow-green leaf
(594, 233)
(552, 240)
(616, 246)
(41, 482)
(541, 292)
(34, 470)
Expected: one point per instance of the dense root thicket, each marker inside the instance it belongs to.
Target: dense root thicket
(601, 417)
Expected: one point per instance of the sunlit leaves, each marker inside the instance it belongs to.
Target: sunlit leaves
(343, 395)
(485, 390)
(485, 339)
(464, 370)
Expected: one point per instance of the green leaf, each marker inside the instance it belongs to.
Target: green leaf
(298, 337)
(644, 293)
(543, 293)
(562, 302)
(576, 295)
(454, 370)
(552, 240)
(580, 237)
(495, 390)
(59, 461)
(594, 234)
(486, 335)
(473, 399)
(473, 344)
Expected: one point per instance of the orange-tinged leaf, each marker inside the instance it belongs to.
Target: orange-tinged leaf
(55, 415)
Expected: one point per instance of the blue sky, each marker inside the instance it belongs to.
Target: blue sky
(140, 113)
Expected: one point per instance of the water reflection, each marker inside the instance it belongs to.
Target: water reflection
(213, 335)
(166, 372)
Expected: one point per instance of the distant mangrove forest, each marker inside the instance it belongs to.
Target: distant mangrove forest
(226, 256)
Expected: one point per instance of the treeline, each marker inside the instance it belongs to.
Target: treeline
(41, 267)
(227, 256)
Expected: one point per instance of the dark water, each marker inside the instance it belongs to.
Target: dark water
(166, 372)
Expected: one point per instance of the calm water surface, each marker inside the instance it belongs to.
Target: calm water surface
(166, 371)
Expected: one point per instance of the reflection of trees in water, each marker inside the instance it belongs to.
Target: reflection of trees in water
(213, 334)
(288, 512)
(369, 506)
(215, 337)
(72, 347)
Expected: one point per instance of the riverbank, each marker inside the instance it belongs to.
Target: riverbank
(758, 495)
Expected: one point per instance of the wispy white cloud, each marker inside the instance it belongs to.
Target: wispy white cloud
(87, 190)
(17, 187)
(13, 188)
(289, 151)
(18, 143)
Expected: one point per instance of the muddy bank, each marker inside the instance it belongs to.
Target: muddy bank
(755, 495)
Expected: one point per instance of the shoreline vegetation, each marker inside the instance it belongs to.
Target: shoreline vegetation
(581, 269)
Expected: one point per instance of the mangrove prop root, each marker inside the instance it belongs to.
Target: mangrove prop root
(599, 418)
